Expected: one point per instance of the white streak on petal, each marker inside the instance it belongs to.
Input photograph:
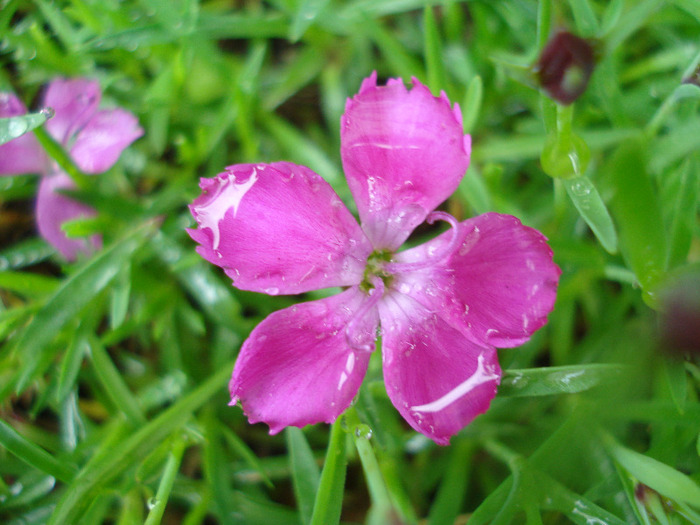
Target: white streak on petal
(481, 375)
(385, 146)
(229, 196)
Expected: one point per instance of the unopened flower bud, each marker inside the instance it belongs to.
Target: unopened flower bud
(565, 67)
(680, 318)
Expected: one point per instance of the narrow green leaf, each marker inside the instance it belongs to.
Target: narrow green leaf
(119, 299)
(611, 16)
(215, 466)
(664, 479)
(34, 455)
(301, 71)
(638, 215)
(198, 279)
(28, 284)
(167, 481)
(70, 363)
(684, 214)
(302, 150)
(304, 17)
(432, 48)
(471, 105)
(590, 205)
(453, 487)
(125, 452)
(62, 158)
(75, 293)
(329, 498)
(243, 450)
(585, 18)
(14, 127)
(473, 190)
(556, 380)
(60, 24)
(27, 491)
(305, 472)
(218, 25)
(544, 23)
(690, 6)
(394, 52)
(113, 384)
(675, 375)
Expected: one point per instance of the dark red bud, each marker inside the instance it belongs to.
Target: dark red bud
(565, 67)
(680, 317)
(693, 78)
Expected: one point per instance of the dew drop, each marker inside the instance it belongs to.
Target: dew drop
(272, 290)
(152, 502)
(363, 431)
(48, 112)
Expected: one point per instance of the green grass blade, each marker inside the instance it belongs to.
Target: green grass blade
(305, 17)
(124, 453)
(76, 292)
(453, 487)
(305, 472)
(637, 213)
(167, 481)
(590, 205)
(34, 455)
(657, 475)
(432, 49)
(114, 386)
(556, 379)
(329, 498)
(14, 127)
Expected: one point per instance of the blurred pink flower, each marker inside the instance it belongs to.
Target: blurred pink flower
(441, 308)
(94, 139)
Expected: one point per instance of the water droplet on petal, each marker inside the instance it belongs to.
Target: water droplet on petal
(272, 290)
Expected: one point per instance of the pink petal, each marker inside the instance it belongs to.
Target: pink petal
(297, 367)
(497, 286)
(23, 154)
(53, 209)
(74, 102)
(100, 142)
(438, 379)
(404, 152)
(278, 228)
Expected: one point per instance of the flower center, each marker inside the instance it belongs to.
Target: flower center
(376, 269)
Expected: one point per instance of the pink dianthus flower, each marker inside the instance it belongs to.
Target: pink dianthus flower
(94, 139)
(441, 308)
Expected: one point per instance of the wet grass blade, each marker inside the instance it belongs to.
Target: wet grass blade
(14, 127)
(63, 306)
(124, 453)
(329, 498)
(34, 455)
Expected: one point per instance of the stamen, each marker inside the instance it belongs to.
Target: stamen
(353, 332)
(445, 251)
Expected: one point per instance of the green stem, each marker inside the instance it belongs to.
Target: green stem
(166, 483)
(381, 499)
(565, 119)
(62, 158)
(329, 498)
(544, 22)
